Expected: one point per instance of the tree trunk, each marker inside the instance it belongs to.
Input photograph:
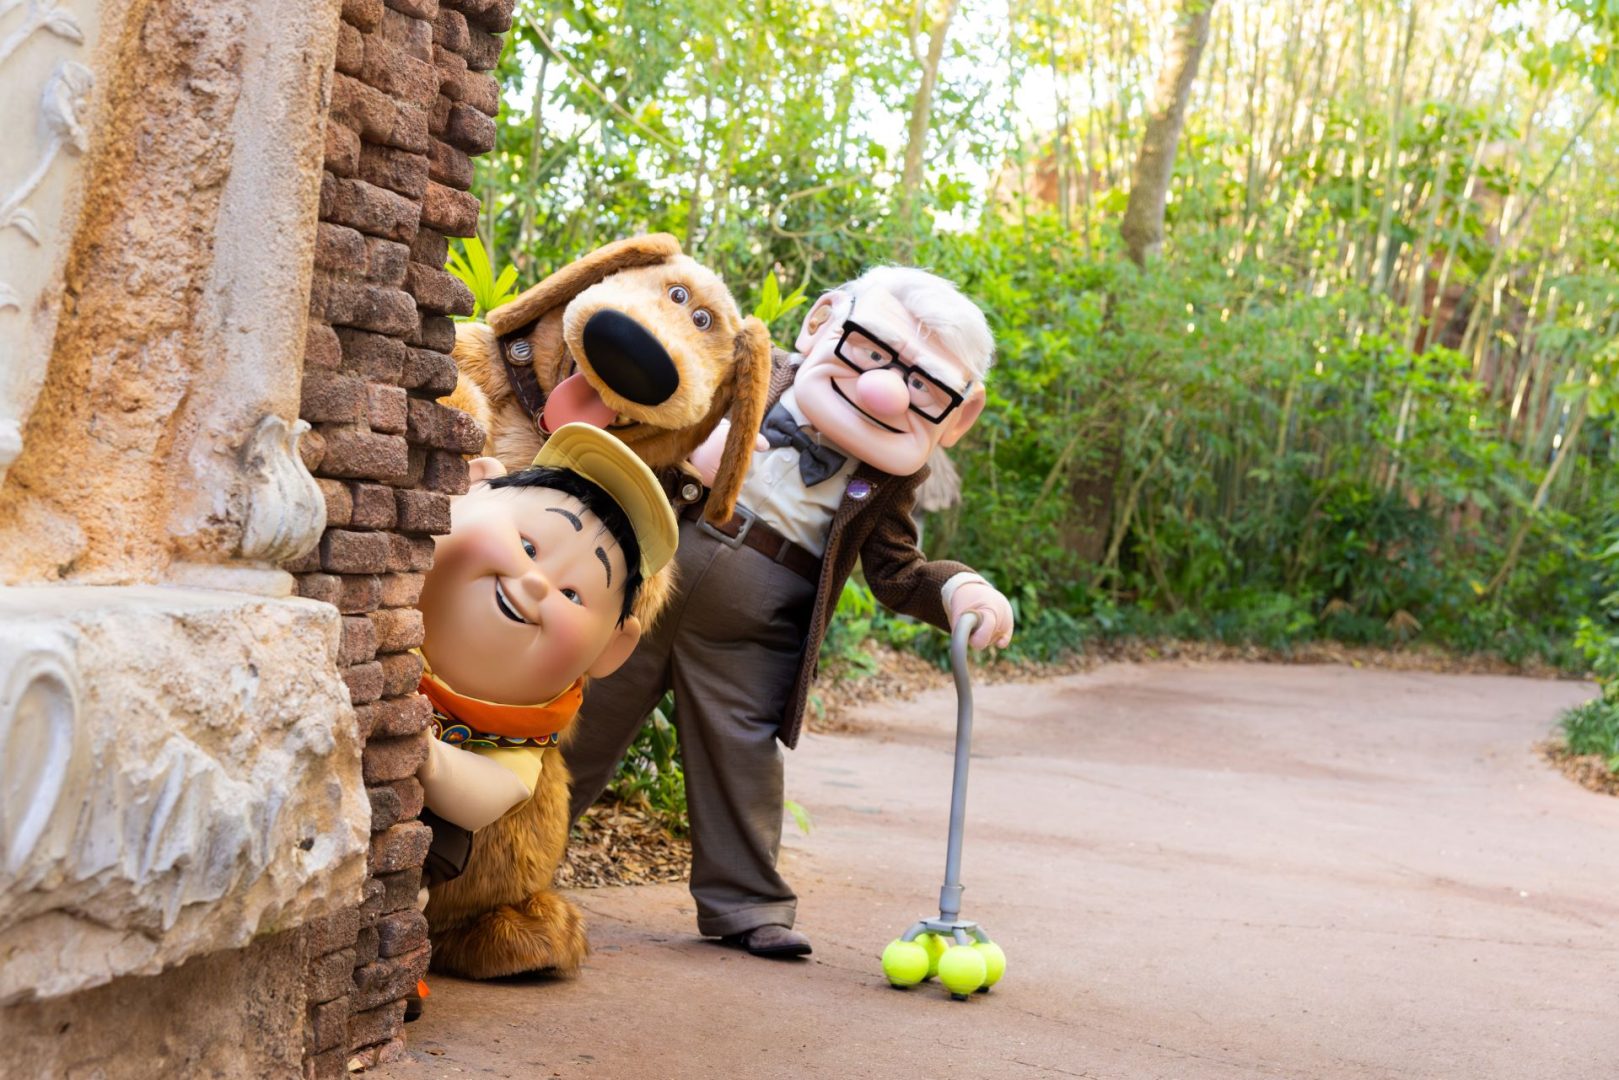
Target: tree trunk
(1143, 225)
(916, 141)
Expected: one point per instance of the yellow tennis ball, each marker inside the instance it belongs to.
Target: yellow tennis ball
(962, 970)
(994, 961)
(935, 945)
(905, 963)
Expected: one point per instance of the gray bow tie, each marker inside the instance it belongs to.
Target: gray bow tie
(815, 462)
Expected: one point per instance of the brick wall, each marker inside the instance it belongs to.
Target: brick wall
(410, 104)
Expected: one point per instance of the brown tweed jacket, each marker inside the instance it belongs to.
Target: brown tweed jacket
(878, 531)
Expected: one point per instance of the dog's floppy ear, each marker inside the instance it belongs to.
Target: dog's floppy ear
(750, 385)
(579, 275)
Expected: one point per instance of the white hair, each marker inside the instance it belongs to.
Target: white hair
(947, 318)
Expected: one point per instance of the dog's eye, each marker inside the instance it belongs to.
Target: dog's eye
(678, 294)
(702, 318)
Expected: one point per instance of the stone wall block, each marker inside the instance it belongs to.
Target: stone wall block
(399, 171)
(401, 671)
(482, 50)
(406, 715)
(376, 116)
(365, 455)
(454, 213)
(339, 249)
(450, 30)
(432, 373)
(377, 1025)
(436, 332)
(322, 350)
(398, 629)
(364, 15)
(392, 803)
(377, 308)
(423, 511)
(451, 167)
(410, 553)
(346, 551)
(467, 128)
(386, 261)
(430, 248)
(376, 356)
(373, 506)
(364, 682)
(331, 932)
(386, 409)
(373, 210)
(330, 976)
(443, 427)
(329, 396)
(359, 641)
(402, 932)
(399, 74)
(404, 846)
(342, 154)
(393, 759)
(412, 35)
(389, 979)
(438, 291)
(350, 50)
(358, 593)
(447, 473)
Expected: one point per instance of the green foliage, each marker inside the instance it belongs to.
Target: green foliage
(651, 775)
(472, 266)
(772, 304)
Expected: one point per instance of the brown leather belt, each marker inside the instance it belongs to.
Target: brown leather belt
(745, 530)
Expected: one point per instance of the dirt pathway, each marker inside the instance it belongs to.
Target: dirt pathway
(1198, 871)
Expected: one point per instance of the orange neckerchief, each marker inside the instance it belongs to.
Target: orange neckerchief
(510, 721)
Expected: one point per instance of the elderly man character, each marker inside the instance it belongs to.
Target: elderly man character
(889, 367)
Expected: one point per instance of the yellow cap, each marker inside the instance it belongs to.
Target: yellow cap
(600, 458)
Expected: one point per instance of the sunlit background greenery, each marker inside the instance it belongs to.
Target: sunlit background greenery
(1364, 393)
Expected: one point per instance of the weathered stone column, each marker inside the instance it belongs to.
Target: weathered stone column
(182, 811)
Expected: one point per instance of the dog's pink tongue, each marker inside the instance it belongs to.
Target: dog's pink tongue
(575, 400)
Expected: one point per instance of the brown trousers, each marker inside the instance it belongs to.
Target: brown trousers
(729, 645)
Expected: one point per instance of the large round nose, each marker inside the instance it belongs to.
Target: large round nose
(626, 357)
(882, 393)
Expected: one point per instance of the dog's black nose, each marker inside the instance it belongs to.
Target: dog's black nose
(626, 357)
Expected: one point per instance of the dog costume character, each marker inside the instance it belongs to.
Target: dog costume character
(892, 367)
(641, 339)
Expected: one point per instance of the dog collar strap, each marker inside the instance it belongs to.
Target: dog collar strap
(488, 721)
(516, 353)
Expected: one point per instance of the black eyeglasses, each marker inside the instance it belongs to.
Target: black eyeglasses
(863, 351)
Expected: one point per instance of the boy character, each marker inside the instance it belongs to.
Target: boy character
(531, 591)
(891, 366)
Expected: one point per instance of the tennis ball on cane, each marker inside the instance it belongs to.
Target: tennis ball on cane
(994, 961)
(962, 970)
(935, 945)
(905, 963)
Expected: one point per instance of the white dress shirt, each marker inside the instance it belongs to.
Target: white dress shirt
(776, 494)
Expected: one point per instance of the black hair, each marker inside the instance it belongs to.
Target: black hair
(595, 499)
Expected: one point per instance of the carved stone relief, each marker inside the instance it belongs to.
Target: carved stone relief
(45, 96)
(146, 820)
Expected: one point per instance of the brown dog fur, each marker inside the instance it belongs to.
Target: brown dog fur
(501, 917)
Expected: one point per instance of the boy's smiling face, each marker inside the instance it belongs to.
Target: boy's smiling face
(524, 596)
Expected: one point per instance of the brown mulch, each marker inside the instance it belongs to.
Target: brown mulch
(619, 843)
(900, 675)
(1587, 770)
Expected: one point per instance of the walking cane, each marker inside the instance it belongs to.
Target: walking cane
(956, 950)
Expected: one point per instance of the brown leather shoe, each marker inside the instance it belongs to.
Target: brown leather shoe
(771, 940)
